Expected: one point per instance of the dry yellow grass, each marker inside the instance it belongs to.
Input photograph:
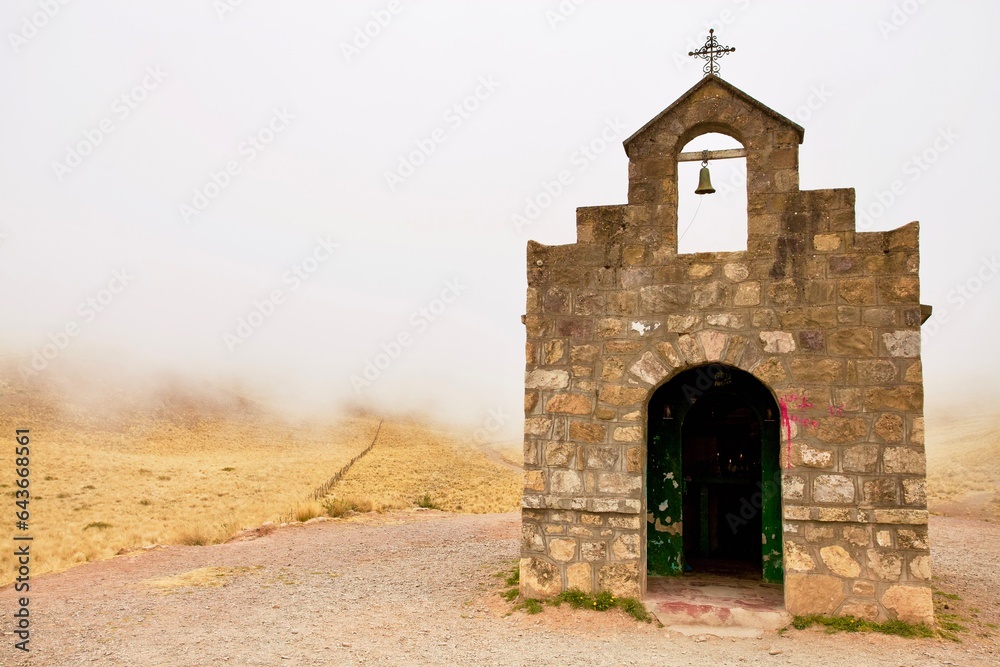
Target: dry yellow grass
(203, 577)
(411, 461)
(962, 450)
(186, 469)
(97, 492)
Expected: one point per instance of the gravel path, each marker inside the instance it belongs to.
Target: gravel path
(416, 588)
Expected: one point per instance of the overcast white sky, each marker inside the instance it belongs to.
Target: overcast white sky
(116, 115)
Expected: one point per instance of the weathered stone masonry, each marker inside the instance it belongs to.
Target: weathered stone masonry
(812, 308)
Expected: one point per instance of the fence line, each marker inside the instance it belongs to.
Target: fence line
(326, 486)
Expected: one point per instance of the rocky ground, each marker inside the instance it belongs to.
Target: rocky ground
(419, 588)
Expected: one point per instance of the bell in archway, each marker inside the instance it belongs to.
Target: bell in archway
(704, 181)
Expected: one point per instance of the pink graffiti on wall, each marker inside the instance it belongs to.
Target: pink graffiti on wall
(792, 408)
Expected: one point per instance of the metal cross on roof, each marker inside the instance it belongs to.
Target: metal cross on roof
(711, 52)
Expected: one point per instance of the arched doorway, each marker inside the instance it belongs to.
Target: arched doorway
(713, 477)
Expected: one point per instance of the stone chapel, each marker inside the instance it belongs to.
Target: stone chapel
(761, 407)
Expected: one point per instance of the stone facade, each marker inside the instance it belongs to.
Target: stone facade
(827, 318)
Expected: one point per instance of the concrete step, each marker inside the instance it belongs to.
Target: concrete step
(710, 601)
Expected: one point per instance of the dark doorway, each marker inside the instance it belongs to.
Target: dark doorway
(720, 463)
(713, 480)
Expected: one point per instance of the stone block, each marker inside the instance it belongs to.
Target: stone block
(539, 578)
(594, 551)
(912, 539)
(857, 535)
(827, 242)
(863, 588)
(543, 379)
(812, 341)
(860, 458)
(602, 458)
(588, 432)
(903, 460)
(902, 343)
(851, 342)
(534, 480)
(580, 576)
(798, 558)
(713, 343)
(880, 491)
(633, 459)
(841, 429)
(793, 487)
(902, 398)
(565, 482)
(621, 579)
(886, 565)
(736, 272)
(531, 538)
(833, 489)
(811, 457)
(867, 611)
(912, 604)
(839, 561)
(570, 404)
(889, 427)
(625, 522)
(622, 396)
(813, 593)
(691, 349)
(899, 289)
(747, 294)
(626, 547)
(560, 454)
(817, 371)
(562, 550)
(537, 426)
(857, 291)
(818, 532)
(915, 492)
(874, 371)
(628, 434)
(770, 371)
(619, 483)
(649, 368)
(920, 567)
(584, 354)
(777, 342)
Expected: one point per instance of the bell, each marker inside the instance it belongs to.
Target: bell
(704, 181)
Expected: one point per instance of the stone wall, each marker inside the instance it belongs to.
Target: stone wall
(826, 317)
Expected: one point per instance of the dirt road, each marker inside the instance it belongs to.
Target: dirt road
(417, 588)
